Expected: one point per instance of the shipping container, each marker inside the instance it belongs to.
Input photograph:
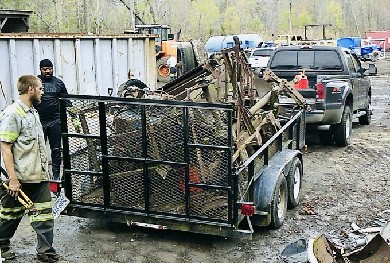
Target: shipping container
(381, 38)
(88, 64)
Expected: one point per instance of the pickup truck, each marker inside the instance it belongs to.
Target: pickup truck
(338, 88)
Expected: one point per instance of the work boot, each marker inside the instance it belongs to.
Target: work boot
(50, 258)
(7, 254)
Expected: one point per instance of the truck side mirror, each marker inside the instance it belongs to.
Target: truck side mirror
(363, 71)
(171, 36)
(372, 70)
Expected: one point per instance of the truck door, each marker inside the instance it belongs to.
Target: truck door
(356, 81)
(364, 83)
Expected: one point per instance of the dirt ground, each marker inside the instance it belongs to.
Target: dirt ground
(341, 186)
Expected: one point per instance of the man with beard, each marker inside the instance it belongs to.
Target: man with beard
(49, 113)
(25, 159)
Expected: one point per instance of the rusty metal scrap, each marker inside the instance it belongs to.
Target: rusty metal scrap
(228, 78)
(286, 87)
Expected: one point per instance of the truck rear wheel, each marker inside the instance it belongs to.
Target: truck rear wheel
(279, 203)
(294, 182)
(342, 131)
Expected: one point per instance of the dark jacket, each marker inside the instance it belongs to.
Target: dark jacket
(49, 109)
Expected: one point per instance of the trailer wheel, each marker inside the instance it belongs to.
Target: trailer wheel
(342, 131)
(294, 182)
(279, 203)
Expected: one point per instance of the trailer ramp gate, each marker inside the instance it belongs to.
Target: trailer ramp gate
(151, 158)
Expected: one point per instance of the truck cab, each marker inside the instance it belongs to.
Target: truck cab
(169, 45)
(337, 83)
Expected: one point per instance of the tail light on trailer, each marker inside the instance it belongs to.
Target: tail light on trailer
(320, 91)
(248, 209)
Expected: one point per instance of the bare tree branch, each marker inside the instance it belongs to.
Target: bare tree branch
(134, 12)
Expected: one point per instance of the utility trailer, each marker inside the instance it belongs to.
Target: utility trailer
(170, 164)
(211, 152)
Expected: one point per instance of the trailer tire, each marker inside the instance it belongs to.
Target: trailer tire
(279, 203)
(343, 130)
(294, 182)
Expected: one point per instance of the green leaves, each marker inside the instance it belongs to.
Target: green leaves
(200, 19)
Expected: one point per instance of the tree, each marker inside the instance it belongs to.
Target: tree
(203, 19)
(334, 15)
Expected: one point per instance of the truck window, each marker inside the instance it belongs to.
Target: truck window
(285, 60)
(263, 52)
(308, 59)
(356, 62)
(351, 64)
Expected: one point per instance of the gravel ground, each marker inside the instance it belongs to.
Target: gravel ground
(341, 186)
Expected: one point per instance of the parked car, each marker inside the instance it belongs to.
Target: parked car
(259, 57)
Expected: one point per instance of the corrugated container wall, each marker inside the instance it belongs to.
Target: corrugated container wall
(88, 65)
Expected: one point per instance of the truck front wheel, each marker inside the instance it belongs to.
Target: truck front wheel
(279, 203)
(342, 131)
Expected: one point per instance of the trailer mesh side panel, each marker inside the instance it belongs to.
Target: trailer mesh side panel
(167, 189)
(208, 166)
(209, 203)
(124, 134)
(165, 134)
(85, 153)
(87, 189)
(208, 127)
(127, 186)
(153, 158)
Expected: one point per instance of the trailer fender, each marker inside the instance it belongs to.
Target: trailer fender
(265, 183)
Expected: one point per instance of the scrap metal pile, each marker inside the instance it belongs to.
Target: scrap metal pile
(228, 78)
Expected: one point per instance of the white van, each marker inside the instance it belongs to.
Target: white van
(260, 56)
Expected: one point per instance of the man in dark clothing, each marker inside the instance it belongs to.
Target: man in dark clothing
(49, 112)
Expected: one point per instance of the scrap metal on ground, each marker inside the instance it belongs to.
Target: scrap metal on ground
(360, 245)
